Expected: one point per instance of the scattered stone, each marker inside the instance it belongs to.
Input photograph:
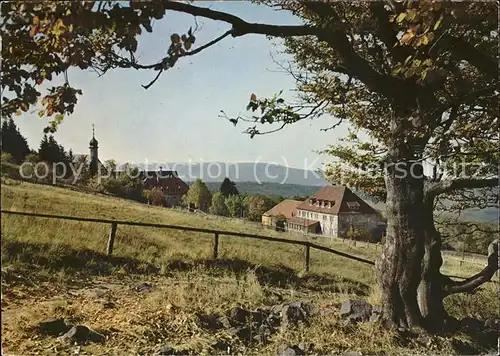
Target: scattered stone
(222, 346)
(242, 333)
(53, 327)
(210, 322)
(356, 310)
(296, 312)
(293, 350)
(81, 334)
(225, 322)
(144, 287)
(239, 315)
(424, 340)
(263, 334)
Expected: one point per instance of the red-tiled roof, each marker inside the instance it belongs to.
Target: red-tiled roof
(342, 200)
(302, 221)
(288, 208)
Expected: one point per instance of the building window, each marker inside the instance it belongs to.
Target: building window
(353, 205)
(324, 217)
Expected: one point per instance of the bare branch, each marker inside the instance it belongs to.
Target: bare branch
(241, 27)
(169, 61)
(147, 86)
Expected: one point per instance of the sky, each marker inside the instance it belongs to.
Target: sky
(177, 119)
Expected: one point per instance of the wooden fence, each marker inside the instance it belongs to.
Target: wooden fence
(114, 226)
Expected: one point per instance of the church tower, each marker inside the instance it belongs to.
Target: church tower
(93, 146)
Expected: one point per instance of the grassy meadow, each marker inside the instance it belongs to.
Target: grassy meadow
(55, 268)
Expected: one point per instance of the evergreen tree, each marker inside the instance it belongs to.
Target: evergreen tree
(228, 188)
(13, 142)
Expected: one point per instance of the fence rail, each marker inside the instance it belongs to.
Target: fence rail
(114, 226)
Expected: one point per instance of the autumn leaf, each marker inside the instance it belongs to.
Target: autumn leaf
(175, 38)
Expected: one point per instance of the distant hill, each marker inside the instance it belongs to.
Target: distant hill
(242, 172)
(270, 189)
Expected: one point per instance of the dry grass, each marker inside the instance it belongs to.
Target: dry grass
(56, 268)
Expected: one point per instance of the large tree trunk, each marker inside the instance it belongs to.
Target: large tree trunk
(400, 263)
(430, 290)
(434, 286)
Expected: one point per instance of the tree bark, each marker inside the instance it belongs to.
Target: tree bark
(434, 287)
(399, 265)
(430, 290)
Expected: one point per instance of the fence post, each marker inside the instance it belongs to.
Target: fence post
(216, 245)
(307, 255)
(111, 239)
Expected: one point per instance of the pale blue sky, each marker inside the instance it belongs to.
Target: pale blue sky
(176, 120)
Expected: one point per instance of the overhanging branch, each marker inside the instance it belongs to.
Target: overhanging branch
(240, 26)
(448, 186)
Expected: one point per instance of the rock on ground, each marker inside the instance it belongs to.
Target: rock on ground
(293, 350)
(81, 334)
(356, 310)
(53, 327)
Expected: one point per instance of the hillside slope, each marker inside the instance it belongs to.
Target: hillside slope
(161, 286)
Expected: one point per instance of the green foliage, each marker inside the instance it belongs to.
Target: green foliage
(473, 237)
(355, 234)
(236, 206)
(127, 185)
(198, 195)
(228, 188)
(7, 157)
(257, 205)
(13, 142)
(32, 157)
(218, 206)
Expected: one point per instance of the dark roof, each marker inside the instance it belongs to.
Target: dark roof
(93, 142)
(287, 208)
(302, 221)
(168, 181)
(342, 200)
